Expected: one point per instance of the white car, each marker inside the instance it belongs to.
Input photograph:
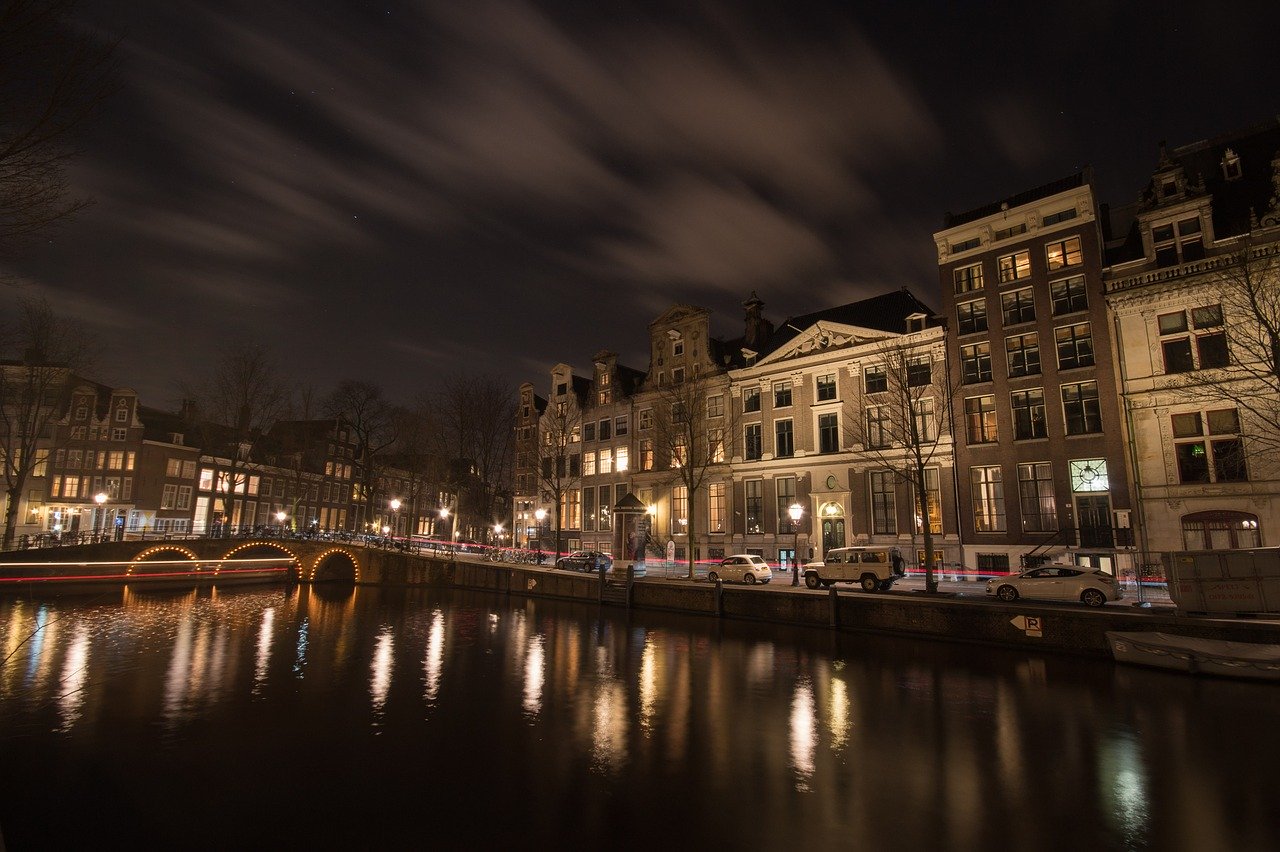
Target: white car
(1058, 583)
(745, 567)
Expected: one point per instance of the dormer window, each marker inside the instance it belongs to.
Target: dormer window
(1177, 242)
(82, 412)
(915, 322)
(1231, 165)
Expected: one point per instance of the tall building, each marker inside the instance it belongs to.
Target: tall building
(1193, 279)
(1040, 449)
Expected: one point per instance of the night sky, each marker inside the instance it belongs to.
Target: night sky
(400, 191)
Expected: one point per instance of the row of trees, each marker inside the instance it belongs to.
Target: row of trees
(455, 439)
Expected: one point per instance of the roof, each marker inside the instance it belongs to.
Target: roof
(951, 220)
(886, 312)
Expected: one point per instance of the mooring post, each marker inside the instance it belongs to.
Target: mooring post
(835, 607)
(719, 598)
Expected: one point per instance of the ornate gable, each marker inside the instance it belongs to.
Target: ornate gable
(679, 313)
(824, 336)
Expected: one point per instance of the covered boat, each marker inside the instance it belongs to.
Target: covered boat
(1196, 656)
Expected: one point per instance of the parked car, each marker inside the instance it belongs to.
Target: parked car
(876, 569)
(746, 567)
(1058, 583)
(585, 560)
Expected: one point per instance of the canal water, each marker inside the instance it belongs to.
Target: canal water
(347, 718)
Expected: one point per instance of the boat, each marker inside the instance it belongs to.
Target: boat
(1194, 655)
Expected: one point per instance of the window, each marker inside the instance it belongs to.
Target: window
(646, 418)
(571, 510)
(1220, 530)
(589, 463)
(119, 434)
(1177, 242)
(1018, 306)
(122, 413)
(1028, 414)
(826, 387)
(620, 425)
(173, 467)
(677, 347)
(1060, 216)
(1081, 408)
(1069, 295)
(115, 460)
(933, 500)
(919, 372)
(781, 394)
(971, 317)
(751, 399)
(1035, 497)
(1014, 267)
(606, 508)
(752, 449)
(646, 454)
(1219, 459)
(876, 379)
(980, 419)
(1011, 231)
(606, 461)
(988, 499)
(1063, 253)
(679, 451)
(965, 245)
(715, 445)
(184, 497)
(562, 389)
(968, 278)
(1022, 351)
(589, 509)
(785, 490)
(975, 362)
(1184, 350)
(884, 514)
(606, 429)
(755, 505)
(922, 419)
(784, 444)
(878, 431)
(715, 406)
(1075, 346)
(677, 375)
(828, 433)
(169, 497)
(716, 507)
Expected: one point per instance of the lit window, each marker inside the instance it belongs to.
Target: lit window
(968, 278)
(1014, 267)
(1028, 413)
(1035, 497)
(988, 499)
(980, 419)
(1062, 253)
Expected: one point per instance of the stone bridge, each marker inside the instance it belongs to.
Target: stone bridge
(308, 561)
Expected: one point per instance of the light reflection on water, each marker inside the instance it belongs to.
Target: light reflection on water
(577, 722)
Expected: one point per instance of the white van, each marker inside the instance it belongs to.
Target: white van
(875, 568)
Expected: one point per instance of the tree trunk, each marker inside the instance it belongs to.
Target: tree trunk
(11, 516)
(922, 504)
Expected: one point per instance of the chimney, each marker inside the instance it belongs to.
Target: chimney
(758, 329)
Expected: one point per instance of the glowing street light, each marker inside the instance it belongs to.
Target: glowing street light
(445, 516)
(395, 513)
(100, 498)
(795, 511)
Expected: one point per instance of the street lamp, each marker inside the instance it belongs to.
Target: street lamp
(445, 516)
(796, 511)
(280, 519)
(497, 534)
(395, 514)
(100, 498)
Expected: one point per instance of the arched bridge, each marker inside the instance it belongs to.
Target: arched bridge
(220, 559)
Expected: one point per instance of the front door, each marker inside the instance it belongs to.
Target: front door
(832, 533)
(1093, 513)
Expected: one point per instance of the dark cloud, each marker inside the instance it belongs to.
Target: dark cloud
(393, 191)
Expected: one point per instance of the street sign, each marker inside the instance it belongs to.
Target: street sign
(1029, 624)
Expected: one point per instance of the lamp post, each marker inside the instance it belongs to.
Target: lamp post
(100, 498)
(795, 511)
(395, 515)
(497, 534)
(445, 516)
(280, 519)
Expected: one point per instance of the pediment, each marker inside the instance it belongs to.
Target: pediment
(825, 336)
(679, 313)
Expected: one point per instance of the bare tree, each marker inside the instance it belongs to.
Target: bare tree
(690, 430)
(905, 427)
(51, 349)
(418, 454)
(371, 416)
(53, 78)
(476, 413)
(237, 401)
(1247, 293)
(559, 457)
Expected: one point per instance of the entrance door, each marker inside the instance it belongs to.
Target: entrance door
(1093, 513)
(832, 533)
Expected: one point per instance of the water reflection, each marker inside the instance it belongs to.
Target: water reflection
(669, 730)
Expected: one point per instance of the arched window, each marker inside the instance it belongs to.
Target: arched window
(1220, 530)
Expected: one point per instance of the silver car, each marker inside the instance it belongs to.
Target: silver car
(1058, 583)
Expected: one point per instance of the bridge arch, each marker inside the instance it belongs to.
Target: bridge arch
(163, 553)
(335, 565)
(259, 549)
